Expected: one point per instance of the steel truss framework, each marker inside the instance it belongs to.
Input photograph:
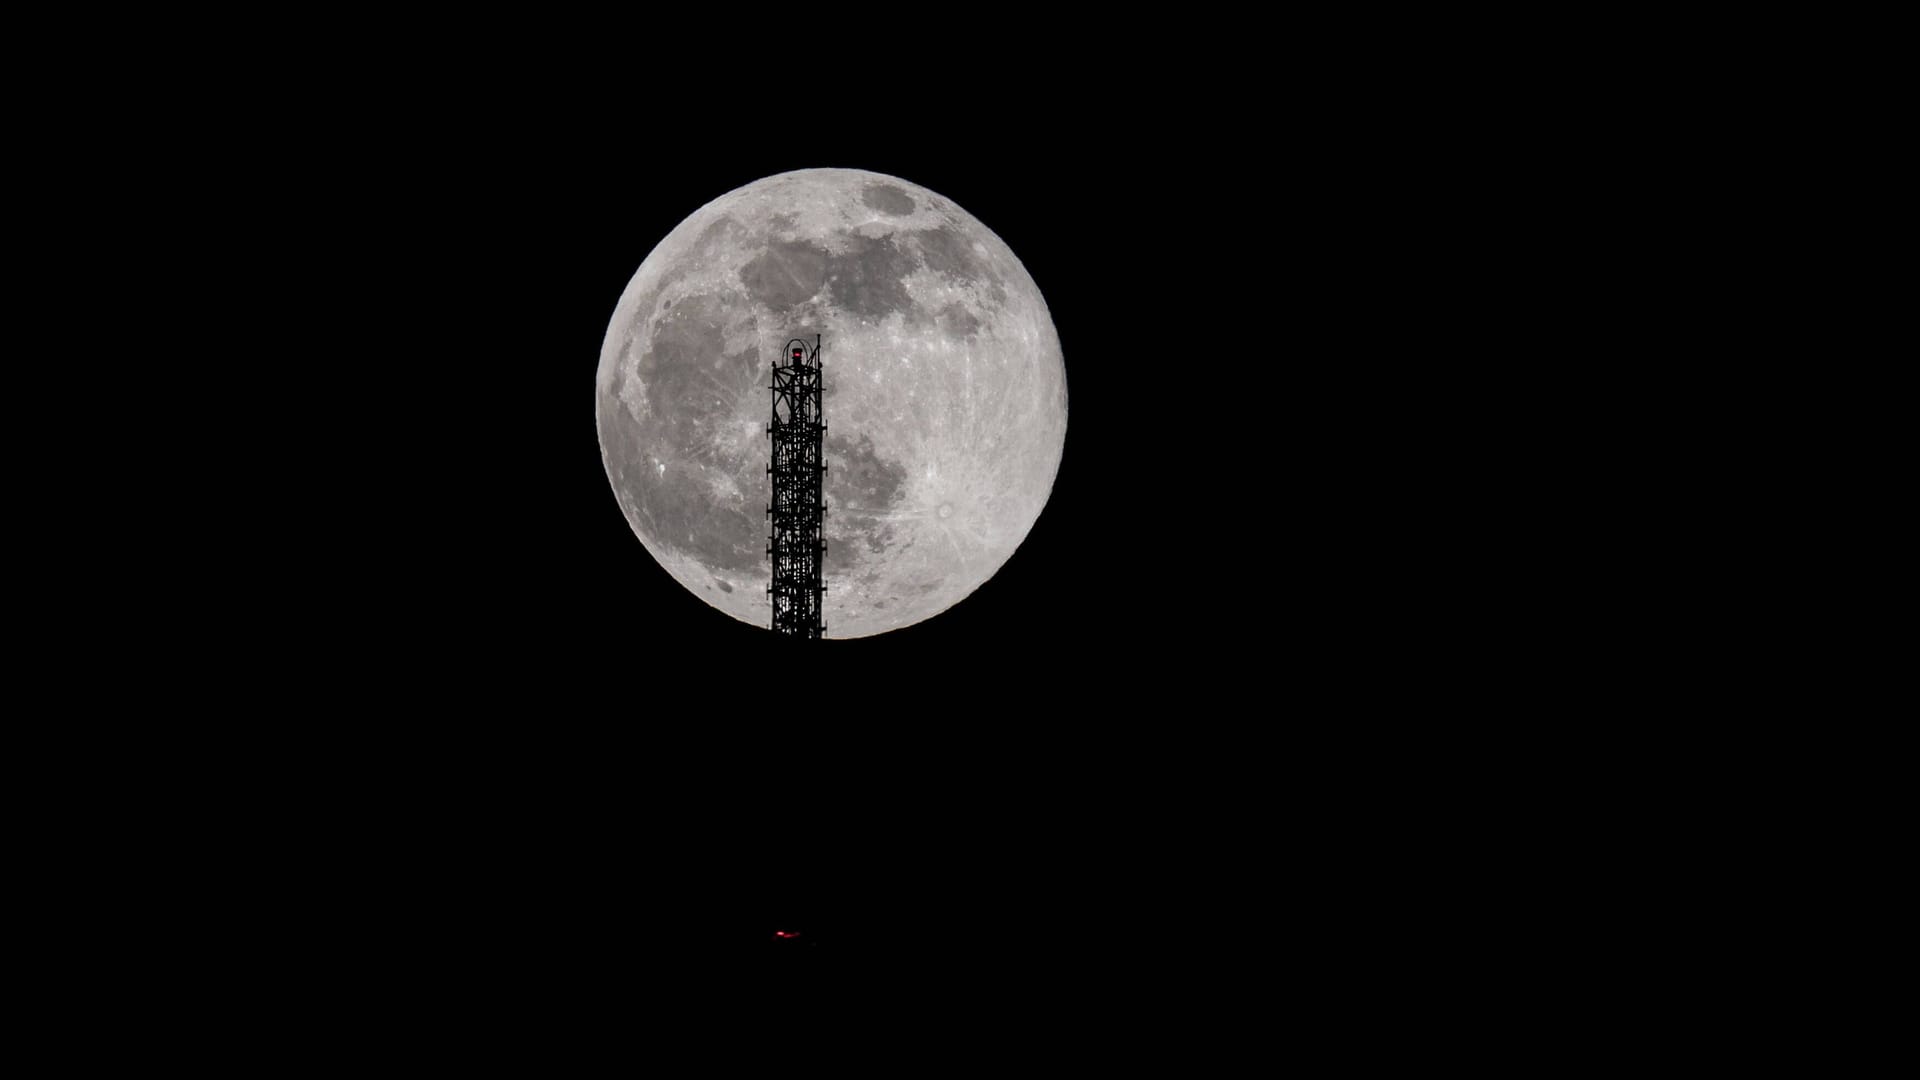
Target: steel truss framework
(794, 543)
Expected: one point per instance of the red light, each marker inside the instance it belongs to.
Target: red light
(785, 934)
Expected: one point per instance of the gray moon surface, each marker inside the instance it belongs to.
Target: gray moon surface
(945, 394)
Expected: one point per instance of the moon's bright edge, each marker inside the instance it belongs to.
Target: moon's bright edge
(945, 394)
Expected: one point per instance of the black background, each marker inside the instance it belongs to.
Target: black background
(522, 752)
(397, 720)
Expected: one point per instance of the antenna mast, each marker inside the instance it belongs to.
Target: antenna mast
(794, 543)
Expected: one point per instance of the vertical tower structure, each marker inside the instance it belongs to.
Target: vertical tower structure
(794, 544)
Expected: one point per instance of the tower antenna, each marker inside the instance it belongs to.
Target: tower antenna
(794, 544)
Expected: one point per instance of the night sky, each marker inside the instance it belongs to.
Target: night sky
(1312, 687)
(552, 752)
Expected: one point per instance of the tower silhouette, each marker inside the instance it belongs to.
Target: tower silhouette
(797, 471)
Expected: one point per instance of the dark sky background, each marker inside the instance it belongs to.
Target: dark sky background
(1193, 674)
(1279, 682)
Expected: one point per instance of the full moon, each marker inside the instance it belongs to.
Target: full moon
(945, 394)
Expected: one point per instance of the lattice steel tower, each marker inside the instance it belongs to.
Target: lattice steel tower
(794, 543)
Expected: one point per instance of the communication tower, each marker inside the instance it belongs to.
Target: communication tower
(794, 543)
